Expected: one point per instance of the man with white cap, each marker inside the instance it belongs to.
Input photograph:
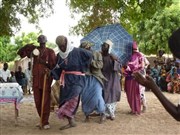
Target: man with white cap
(112, 89)
(44, 60)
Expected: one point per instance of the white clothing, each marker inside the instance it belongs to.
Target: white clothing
(5, 74)
(28, 76)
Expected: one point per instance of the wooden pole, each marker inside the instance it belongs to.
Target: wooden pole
(42, 103)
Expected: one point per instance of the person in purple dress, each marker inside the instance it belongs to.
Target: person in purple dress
(132, 88)
(172, 109)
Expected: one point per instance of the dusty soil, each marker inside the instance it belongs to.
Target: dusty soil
(155, 121)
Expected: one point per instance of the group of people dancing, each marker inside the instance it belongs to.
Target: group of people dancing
(85, 75)
(88, 76)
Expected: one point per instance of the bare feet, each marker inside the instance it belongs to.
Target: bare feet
(102, 118)
(144, 109)
(87, 119)
(112, 118)
(94, 114)
(67, 126)
(52, 109)
(70, 125)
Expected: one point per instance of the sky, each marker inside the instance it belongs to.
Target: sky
(57, 24)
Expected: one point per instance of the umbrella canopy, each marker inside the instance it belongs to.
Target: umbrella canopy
(122, 41)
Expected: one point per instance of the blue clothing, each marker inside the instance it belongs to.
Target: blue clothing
(77, 60)
(92, 99)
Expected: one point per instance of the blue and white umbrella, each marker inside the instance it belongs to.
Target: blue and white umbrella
(122, 40)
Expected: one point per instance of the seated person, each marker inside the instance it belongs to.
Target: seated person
(175, 83)
(4, 73)
(12, 78)
(21, 79)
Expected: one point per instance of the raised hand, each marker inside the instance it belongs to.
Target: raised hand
(145, 81)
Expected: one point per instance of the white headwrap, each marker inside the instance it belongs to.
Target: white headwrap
(110, 43)
(61, 40)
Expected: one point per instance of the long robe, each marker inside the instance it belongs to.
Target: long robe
(92, 99)
(46, 59)
(112, 89)
(77, 60)
(131, 85)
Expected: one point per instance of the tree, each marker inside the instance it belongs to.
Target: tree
(30, 38)
(100, 12)
(7, 50)
(12, 10)
(153, 33)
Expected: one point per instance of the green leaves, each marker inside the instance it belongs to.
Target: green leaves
(158, 29)
(8, 50)
(11, 10)
(150, 22)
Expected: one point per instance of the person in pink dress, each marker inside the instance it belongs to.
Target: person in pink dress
(132, 88)
(171, 108)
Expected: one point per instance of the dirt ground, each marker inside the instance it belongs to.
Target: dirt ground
(156, 121)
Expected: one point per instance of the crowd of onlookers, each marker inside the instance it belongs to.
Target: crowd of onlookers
(166, 73)
(20, 77)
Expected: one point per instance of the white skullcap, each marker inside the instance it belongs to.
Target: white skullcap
(109, 42)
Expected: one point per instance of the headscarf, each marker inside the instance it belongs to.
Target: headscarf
(110, 43)
(135, 47)
(172, 70)
(86, 44)
(61, 40)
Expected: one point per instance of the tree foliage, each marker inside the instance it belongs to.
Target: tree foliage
(150, 22)
(100, 12)
(12, 10)
(8, 50)
(154, 32)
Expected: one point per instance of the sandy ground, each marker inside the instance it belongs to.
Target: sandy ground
(155, 121)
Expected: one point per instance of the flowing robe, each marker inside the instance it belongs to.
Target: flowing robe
(131, 85)
(78, 60)
(112, 88)
(46, 59)
(92, 99)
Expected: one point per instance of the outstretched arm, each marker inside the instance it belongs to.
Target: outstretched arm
(173, 110)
